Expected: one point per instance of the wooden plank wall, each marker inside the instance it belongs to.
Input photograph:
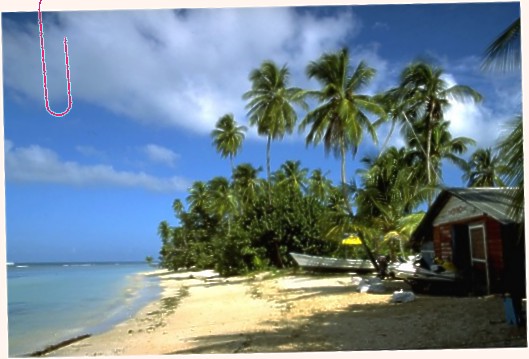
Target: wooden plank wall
(443, 246)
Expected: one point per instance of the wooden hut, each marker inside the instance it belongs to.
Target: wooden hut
(473, 228)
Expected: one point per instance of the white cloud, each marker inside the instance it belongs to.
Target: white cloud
(160, 154)
(42, 165)
(467, 119)
(470, 119)
(176, 68)
(90, 151)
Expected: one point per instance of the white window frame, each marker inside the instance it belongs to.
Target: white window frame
(485, 248)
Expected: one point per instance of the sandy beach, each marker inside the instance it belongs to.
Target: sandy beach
(202, 314)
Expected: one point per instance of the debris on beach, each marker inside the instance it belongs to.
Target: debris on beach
(371, 285)
(402, 296)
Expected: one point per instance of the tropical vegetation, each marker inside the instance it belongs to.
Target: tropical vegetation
(248, 222)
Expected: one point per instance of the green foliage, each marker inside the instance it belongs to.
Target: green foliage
(511, 153)
(246, 223)
(234, 227)
(419, 104)
(270, 103)
(504, 53)
(341, 117)
(228, 137)
(484, 169)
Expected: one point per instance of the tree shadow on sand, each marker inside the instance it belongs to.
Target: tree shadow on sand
(429, 322)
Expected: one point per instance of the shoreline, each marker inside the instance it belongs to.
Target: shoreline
(201, 313)
(64, 302)
(54, 347)
(144, 297)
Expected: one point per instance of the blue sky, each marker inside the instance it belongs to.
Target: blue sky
(148, 87)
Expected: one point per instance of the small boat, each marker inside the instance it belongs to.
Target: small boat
(424, 278)
(10, 263)
(412, 271)
(328, 264)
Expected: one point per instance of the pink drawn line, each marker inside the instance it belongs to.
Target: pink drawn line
(44, 71)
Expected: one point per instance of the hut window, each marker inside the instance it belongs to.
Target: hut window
(477, 238)
(478, 254)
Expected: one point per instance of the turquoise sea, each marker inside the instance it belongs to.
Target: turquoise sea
(49, 303)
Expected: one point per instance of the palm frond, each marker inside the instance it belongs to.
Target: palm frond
(505, 52)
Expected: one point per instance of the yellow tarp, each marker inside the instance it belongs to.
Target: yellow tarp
(352, 241)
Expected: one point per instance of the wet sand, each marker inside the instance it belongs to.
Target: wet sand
(202, 314)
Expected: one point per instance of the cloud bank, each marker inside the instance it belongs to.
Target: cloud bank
(160, 154)
(172, 68)
(42, 165)
(186, 68)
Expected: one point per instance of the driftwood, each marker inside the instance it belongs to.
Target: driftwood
(54, 347)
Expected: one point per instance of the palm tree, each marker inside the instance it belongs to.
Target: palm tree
(270, 105)
(483, 169)
(164, 231)
(504, 52)
(319, 185)
(511, 153)
(389, 183)
(222, 202)
(228, 137)
(291, 175)
(405, 226)
(390, 191)
(425, 96)
(178, 207)
(246, 183)
(166, 234)
(341, 118)
(198, 197)
(442, 147)
(504, 55)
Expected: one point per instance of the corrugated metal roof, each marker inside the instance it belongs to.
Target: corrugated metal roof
(495, 202)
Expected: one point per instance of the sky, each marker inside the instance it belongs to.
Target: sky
(149, 85)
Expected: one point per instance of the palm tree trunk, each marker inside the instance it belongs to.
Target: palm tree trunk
(428, 150)
(393, 123)
(268, 158)
(369, 253)
(344, 181)
(269, 185)
(278, 256)
(342, 149)
(350, 209)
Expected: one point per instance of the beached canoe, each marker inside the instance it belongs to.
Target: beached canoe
(412, 271)
(327, 264)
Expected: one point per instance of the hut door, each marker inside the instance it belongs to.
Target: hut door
(478, 255)
(461, 250)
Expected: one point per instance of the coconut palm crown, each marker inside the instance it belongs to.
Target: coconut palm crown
(228, 137)
(341, 117)
(424, 97)
(484, 169)
(504, 52)
(270, 103)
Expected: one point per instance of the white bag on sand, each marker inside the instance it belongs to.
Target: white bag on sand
(402, 297)
(371, 285)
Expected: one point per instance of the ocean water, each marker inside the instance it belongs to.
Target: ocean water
(49, 303)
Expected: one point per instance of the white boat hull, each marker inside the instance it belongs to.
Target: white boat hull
(332, 264)
(410, 271)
